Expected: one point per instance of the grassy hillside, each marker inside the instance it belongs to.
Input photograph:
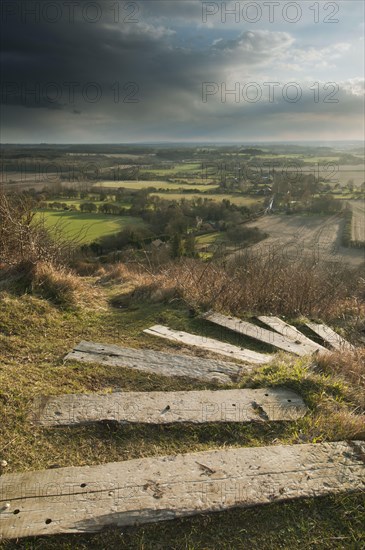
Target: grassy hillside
(35, 335)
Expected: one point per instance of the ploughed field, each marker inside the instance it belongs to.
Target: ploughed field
(316, 236)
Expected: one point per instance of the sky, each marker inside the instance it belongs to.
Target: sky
(181, 70)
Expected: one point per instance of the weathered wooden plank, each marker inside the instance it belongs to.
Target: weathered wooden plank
(156, 362)
(258, 333)
(331, 337)
(210, 344)
(245, 405)
(289, 331)
(89, 498)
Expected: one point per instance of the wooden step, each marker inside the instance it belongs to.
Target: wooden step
(156, 362)
(258, 333)
(209, 344)
(289, 331)
(331, 337)
(89, 498)
(169, 407)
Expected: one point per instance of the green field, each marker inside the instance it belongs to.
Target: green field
(208, 239)
(178, 168)
(209, 243)
(86, 228)
(206, 180)
(144, 184)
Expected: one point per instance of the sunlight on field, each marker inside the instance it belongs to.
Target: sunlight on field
(87, 227)
(358, 221)
(176, 169)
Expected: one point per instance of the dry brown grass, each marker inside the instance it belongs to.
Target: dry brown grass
(116, 273)
(350, 366)
(141, 285)
(85, 268)
(337, 423)
(56, 284)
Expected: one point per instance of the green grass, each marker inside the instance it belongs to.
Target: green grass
(321, 160)
(209, 238)
(208, 244)
(87, 227)
(206, 180)
(35, 336)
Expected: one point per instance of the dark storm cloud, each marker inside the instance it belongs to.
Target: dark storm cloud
(38, 55)
(133, 79)
(186, 10)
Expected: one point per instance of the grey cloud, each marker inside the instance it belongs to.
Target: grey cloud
(256, 42)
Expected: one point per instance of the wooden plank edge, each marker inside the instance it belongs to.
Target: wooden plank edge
(197, 407)
(156, 489)
(242, 354)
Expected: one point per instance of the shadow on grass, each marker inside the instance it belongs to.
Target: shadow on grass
(332, 522)
(180, 437)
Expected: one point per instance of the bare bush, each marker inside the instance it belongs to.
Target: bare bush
(261, 285)
(270, 285)
(24, 237)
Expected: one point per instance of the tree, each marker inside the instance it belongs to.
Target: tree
(55, 205)
(104, 208)
(176, 246)
(109, 208)
(88, 207)
(350, 185)
(190, 246)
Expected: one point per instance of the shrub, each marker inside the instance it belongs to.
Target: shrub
(23, 238)
(268, 284)
(244, 234)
